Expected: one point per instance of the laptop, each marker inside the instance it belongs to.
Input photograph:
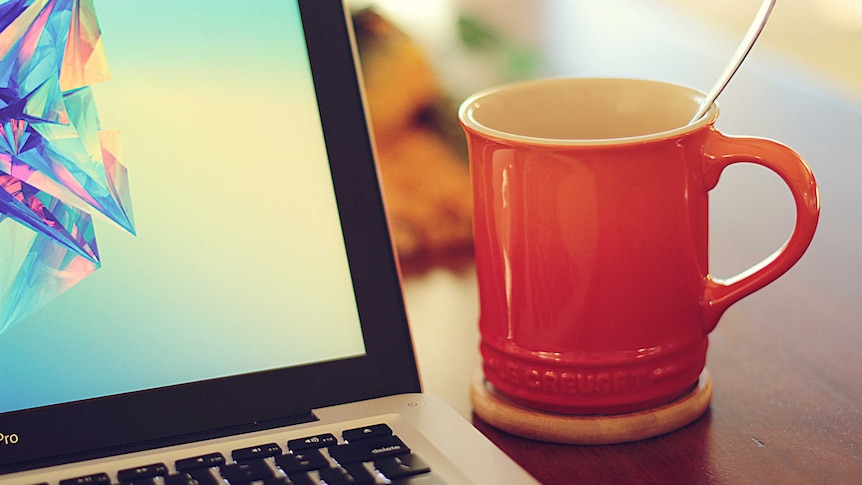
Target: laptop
(197, 282)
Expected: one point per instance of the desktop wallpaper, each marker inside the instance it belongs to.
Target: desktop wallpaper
(215, 248)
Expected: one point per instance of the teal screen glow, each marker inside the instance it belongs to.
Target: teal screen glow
(237, 262)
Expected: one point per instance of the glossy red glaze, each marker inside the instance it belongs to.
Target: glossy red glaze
(595, 292)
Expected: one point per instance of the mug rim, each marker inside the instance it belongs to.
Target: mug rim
(468, 121)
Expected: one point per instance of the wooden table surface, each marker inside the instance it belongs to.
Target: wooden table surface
(786, 362)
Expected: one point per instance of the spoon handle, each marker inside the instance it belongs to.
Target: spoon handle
(736, 60)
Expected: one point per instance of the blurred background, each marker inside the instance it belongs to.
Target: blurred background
(823, 35)
(421, 59)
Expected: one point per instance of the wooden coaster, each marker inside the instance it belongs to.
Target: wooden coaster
(588, 429)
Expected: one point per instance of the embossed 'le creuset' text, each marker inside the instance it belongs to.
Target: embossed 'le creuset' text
(565, 381)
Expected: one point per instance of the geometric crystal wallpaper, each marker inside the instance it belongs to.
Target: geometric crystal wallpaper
(57, 166)
(236, 231)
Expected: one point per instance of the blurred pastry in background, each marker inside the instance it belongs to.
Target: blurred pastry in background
(421, 149)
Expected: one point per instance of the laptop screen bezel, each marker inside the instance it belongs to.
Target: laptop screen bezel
(145, 419)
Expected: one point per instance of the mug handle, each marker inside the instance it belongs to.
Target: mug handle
(720, 151)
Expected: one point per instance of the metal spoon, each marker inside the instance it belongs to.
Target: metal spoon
(744, 48)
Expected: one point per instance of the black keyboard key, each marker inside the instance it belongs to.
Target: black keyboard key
(206, 476)
(143, 481)
(182, 478)
(311, 442)
(302, 479)
(400, 466)
(368, 450)
(247, 471)
(94, 479)
(350, 474)
(359, 473)
(255, 452)
(149, 471)
(203, 461)
(277, 481)
(372, 431)
(301, 462)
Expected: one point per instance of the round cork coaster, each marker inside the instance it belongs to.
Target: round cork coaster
(538, 425)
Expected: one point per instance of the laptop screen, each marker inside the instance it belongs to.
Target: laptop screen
(191, 215)
(234, 260)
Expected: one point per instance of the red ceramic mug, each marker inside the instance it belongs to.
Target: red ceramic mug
(591, 233)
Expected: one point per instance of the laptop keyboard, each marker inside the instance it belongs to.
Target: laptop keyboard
(367, 455)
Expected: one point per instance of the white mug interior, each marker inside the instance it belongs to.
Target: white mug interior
(584, 111)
